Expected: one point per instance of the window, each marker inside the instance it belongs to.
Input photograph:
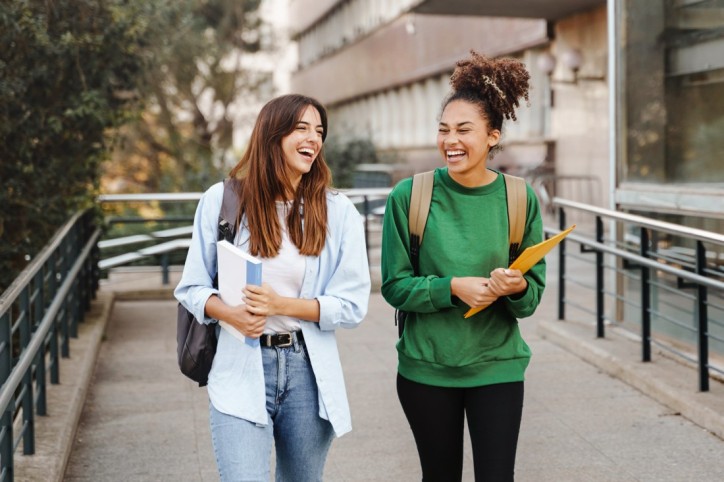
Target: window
(673, 91)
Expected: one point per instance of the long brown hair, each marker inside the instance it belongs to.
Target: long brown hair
(264, 179)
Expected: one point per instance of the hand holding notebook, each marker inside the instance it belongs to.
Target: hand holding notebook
(237, 268)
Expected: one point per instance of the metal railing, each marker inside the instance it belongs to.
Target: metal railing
(548, 186)
(39, 313)
(158, 245)
(675, 265)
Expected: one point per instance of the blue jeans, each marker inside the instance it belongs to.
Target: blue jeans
(301, 437)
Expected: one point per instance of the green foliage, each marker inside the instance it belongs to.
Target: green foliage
(180, 143)
(68, 73)
(343, 157)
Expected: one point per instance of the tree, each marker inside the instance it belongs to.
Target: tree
(196, 82)
(69, 70)
(343, 157)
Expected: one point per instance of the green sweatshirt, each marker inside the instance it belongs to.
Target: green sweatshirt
(466, 235)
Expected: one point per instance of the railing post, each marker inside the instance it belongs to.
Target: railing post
(6, 425)
(6, 347)
(64, 313)
(77, 288)
(366, 204)
(52, 290)
(703, 325)
(54, 353)
(645, 300)
(39, 308)
(600, 288)
(28, 413)
(74, 309)
(561, 267)
(96, 273)
(25, 328)
(88, 273)
(6, 445)
(164, 269)
(65, 309)
(41, 405)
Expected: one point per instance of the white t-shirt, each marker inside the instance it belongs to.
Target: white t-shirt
(284, 273)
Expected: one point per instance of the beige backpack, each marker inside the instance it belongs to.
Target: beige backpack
(422, 184)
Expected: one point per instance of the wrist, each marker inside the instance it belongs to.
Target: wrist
(281, 307)
(453, 287)
(519, 294)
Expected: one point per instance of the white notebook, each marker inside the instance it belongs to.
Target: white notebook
(237, 268)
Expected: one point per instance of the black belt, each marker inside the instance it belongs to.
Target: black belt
(281, 340)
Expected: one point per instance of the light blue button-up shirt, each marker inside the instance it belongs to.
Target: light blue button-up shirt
(338, 278)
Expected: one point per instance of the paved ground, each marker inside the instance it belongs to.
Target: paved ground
(142, 421)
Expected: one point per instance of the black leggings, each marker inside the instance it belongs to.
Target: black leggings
(436, 416)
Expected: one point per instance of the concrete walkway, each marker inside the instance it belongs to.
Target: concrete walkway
(143, 421)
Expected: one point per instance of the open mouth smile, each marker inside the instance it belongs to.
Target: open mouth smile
(307, 152)
(454, 154)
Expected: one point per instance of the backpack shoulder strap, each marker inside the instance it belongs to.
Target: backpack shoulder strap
(419, 209)
(229, 209)
(420, 202)
(517, 197)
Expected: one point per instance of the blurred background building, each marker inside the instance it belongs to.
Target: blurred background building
(382, 68)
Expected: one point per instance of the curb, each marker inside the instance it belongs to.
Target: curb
(663, 379)
(141, 295)
(55, 433)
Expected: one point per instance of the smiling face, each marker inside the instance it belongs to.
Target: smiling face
(464, 140)
(301, 146)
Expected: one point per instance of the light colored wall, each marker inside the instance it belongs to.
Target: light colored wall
(345, 24)
(579, 118)
(404, 119)
(392, 56)
(389, 85)
(306, 12)
(400, 118)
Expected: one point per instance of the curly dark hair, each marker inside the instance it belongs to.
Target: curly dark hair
(495, 86)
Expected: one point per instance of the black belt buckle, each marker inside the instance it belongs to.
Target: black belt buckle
(284, 340)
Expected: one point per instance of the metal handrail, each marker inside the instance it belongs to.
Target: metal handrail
(31, 351)
(363, 195)
(195, 196)
(47, 316)
(640, 260)
(670, 228)
(696, 275)
(8, 297)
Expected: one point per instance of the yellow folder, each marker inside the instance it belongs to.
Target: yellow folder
(529, 257)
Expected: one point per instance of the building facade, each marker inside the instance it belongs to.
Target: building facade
(626, 101)
(670, 110)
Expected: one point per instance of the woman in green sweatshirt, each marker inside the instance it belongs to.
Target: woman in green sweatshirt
(449, 366)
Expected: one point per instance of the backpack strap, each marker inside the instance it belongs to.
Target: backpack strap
(517, 196)
(229, 210)
(422, 184)
(420, 198)
(420, 202)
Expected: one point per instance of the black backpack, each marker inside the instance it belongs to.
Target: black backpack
(196, 342)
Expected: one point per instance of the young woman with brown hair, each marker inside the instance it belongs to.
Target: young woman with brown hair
(450, 367)
(289, 391)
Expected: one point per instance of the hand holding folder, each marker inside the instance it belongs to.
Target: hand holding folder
(529, 257)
